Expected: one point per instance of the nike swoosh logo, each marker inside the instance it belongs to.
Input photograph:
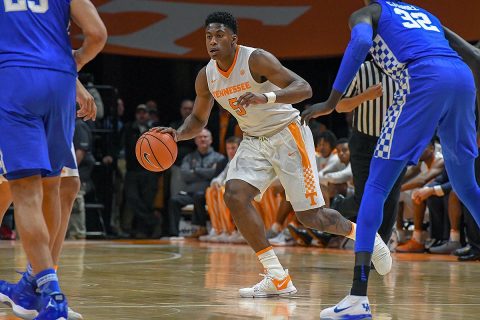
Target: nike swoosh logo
(336, 310)
(282, 283)
(291, 153)
(146, 157)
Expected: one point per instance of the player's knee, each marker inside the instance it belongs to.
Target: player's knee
(235, 197)
(69, 188)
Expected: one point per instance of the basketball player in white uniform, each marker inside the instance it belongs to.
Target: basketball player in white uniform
(69, 187)
(254, 86)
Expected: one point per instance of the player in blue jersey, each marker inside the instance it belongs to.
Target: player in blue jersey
(37, 114)
(436, 90)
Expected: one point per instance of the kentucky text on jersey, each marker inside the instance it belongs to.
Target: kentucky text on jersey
(231, 90)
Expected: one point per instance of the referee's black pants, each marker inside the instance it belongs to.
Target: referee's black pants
(362, 147)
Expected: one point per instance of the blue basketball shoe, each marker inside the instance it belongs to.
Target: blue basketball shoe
(350, 308)
(21, 297)
(25, 300)
(56, 308)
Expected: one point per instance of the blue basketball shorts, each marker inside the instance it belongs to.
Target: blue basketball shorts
(37, 121)
(438, 95)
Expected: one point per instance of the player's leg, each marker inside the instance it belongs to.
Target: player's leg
(26, 156)
(249, 174)
(5, 198)
(383, 174)
(410, 124)
(390, 210)
(238, 197)
(51, 206)
(59, 124)
(457, 135)
(69, 187)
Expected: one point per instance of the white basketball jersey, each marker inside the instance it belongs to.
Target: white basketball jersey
(226, 87)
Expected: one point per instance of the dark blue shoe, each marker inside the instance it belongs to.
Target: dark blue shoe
(21, 297)
(56, 308)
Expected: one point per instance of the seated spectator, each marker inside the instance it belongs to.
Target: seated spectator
(430, 166)
(140, 184)
(197, 170)
(184, 148)
(327, 159)
(83, 143)
(445, 214)
(335, 182)
(152, 109)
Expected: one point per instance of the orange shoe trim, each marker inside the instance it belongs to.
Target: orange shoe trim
(264, 250)
(281, 284)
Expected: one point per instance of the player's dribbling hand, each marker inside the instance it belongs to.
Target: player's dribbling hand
(249, 98)
(88, 108)
(315, 111)
(168, 130)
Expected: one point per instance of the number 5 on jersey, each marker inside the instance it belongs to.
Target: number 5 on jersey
(21, 5)
(235, 106)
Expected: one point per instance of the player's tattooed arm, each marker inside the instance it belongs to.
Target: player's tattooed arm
(265, 66)
(202, 107)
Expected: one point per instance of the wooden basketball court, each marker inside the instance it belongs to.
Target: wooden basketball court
(190, 280)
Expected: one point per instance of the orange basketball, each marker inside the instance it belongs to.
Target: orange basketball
(156, 151)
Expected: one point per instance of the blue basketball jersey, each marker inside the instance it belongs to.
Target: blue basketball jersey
(406, 33)
(33, 33)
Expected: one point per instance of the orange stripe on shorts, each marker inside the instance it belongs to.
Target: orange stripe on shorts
(309, 178)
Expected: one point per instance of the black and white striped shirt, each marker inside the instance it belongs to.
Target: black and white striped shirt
(368, 117)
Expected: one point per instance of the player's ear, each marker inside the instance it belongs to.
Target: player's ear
(234, 39)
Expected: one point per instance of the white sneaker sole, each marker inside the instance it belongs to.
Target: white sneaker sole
(25, 314)
(282, 293)
(18, 310)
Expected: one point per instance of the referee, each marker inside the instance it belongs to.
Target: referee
(368, 96)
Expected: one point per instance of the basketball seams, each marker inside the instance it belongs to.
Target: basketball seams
(153, 153)
(151, 135)
(140, 151)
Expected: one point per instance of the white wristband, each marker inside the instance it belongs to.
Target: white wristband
(271, 97)
(438, 191)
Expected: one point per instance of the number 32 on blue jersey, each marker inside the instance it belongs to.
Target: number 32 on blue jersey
(416, 20)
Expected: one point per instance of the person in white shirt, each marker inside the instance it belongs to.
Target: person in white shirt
(338, 181)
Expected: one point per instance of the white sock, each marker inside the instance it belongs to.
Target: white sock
(269, 260)
(276, 227)
(353, 234)
(454, 235)
(417, 235)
